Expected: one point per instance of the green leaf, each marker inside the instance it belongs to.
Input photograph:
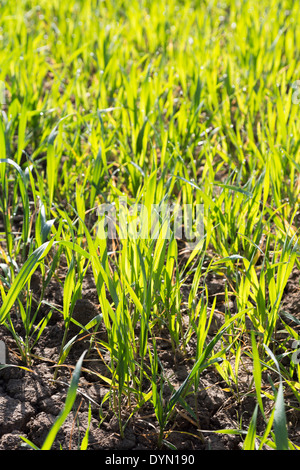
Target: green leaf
(85, 440)
(257, 372)
(249, 443)
(71, 395)
(234, 188)
(24, 274)
(280, 424)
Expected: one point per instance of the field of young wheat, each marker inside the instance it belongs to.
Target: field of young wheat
(149, 225)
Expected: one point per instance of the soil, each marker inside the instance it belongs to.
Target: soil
(30, 400)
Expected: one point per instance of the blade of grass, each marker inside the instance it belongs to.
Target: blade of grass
(280, 424)
(26, 271)
(70, 399)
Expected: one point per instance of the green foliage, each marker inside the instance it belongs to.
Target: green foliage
(162, 103)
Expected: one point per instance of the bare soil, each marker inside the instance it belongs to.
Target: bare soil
(30, 400)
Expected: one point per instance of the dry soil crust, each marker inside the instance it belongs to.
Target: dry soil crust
(30, 401)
